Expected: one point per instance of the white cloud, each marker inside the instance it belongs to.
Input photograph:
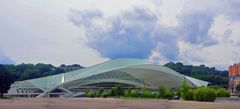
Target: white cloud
(40, 31)
(31, 33)
(221, 55)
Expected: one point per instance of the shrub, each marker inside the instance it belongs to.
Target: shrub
(204, 94)
(146, 94)
(118, 90)
(168, 93)
(215, 87)
(112, 92)
(178, 92)
(162, 92)
(134, 93)
(238, 88)
(100, 92)
(197, 94)
(221, 92)
(184, 88)
(188, 95)
(90, 94)
(127, 93)
(104, 94)
(156, 95)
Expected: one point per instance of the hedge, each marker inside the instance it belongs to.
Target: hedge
(198, 94)
(221, 92)
(204, 94)
(189, 95)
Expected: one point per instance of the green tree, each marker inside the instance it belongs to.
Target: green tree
(6, 80)
(168, 93)
(178, 92)
(161, 91)
(156, 95)
(100, 92)
(105, 94)
(238, 87)
(112, 92)
(134, 93)
(119, 90)
(145, 93)
(44, 67)
(184, 88)
(90, 94)
(127, 93)
(202, 72)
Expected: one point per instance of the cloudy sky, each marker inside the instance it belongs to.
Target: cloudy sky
(88, 32)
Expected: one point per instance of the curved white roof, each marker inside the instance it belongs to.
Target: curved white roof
(128, 71)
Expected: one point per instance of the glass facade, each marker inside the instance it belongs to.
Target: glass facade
(128, 72)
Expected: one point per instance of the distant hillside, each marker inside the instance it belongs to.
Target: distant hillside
(30, 71)
(202, 72)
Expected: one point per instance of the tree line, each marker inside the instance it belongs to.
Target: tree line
(202, 72)
(11, 73)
